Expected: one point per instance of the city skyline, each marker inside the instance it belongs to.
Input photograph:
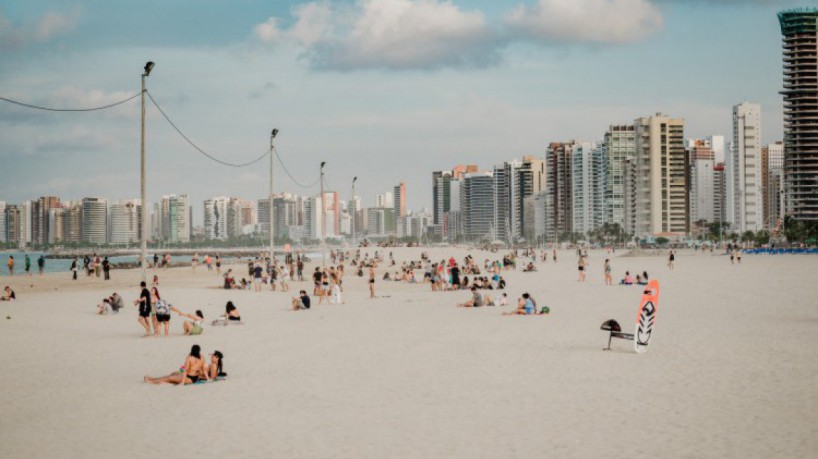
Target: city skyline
(536, 84)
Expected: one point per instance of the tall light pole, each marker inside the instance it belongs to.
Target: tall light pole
(148, 68)
(272, 221)
(355, 179)
(323, 216)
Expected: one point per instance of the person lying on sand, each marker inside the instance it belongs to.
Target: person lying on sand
(231, 316)
(190, 373)
(195, 326)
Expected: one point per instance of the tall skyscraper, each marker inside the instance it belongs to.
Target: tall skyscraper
(477, 204)
(175, 218)
(747, 194)
(588, 165)
(559, 189)
(3, 236)
(399, 196)
(772, 183)
(660, 203)
(799, 28)
(72, 216)
(12, 227)
(507, 211)
(95, 220)
(125, 216)
(702, 190)
(215, 217)
(620, 149)
(719, 194)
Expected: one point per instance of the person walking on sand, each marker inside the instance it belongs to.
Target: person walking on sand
(371, 281)
(27, 265)
(670, 259)
(74, 267)
(10, 265)
(41, 264)
(581, 264)
(738, 255)
(555, 255)
(144, 304)
(607, 269)
(106, 268)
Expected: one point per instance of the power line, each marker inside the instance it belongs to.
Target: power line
(287, 171)
(187, 139)
(50, 109)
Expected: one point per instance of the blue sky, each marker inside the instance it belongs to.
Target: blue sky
(386, 90)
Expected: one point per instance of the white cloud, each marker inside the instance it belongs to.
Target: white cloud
(44, 29)
(585, 21)
(391, 34)
(268, 32)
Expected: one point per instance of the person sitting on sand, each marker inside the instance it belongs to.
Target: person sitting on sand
(110, 305)
(231, 315)
(302, 302)
(502, 300)
(475, 302)
(628, 280)
(194, 326)
(191, 372)
(525, 306)
(8, 294)
(530, 268)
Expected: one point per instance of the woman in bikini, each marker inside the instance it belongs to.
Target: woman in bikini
(190, 373)
(216, 367)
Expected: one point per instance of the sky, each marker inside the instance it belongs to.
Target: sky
(385, 90)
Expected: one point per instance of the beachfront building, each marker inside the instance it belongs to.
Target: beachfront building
(11, 214)
(702, 190)
(588, 165)
(477, 206)
(558, 166)
(514, 181)
(125, 216)
(746, 168)
(620, 150)
(659, 205)
(443, 199)
(286, 214)
(3, 236)
(176, 218)
(535, 216)
(380, 222)
(399, 200)
(799, 28)
(719, 193)
(215, 217)
(772, 183)
(95, 220)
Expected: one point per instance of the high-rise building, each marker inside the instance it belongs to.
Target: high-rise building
(95, 220)
(215, 217)
(799, 28)
(535, 216)
(702, 191)
(620, 149)
(3, 236)
(559, 200)
(588, 187)
(746, 162)
(772, 183)
(507, 212)
(175, 218)
(719, 193)
(660, 203)
(12, 226)
(399, 197)
(380, 222)
(125, 216)
(72, 222)
(477, 204)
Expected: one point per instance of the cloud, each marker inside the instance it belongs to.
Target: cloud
(586, 21)
(42, 30)
(387, 34)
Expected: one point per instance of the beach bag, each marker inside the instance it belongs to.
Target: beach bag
(545, 310)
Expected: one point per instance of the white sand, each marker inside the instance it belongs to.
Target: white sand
(731, 371)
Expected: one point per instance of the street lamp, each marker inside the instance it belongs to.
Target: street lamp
(323, 216)
(272, 233)
(148, 68)
(355, 211)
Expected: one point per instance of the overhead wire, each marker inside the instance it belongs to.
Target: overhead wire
(192, 144)
(287, 171)
(51, 109)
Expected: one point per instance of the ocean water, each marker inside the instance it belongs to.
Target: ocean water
(52, 265)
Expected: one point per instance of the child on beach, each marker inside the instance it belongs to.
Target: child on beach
(8, 294)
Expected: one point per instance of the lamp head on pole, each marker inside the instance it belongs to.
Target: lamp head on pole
(274, 134)
(354, 179)
(322, 164)
(148, 68)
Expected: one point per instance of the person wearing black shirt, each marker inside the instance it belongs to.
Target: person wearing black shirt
(302, 302)
(41, 264)
(144, 304)
(106, 268)
(455, 271)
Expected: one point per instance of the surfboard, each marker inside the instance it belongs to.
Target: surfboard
(646, 317)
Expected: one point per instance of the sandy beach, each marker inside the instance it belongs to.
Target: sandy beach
(731, 370)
